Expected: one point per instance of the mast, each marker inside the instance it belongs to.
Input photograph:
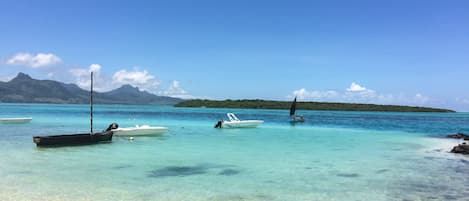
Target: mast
(91, 104)
(293, 107)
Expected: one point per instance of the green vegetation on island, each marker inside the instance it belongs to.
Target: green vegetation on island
(267, 104)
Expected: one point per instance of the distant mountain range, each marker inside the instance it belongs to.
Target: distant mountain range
(24, 89)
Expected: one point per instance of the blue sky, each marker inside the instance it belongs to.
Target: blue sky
(393, 52)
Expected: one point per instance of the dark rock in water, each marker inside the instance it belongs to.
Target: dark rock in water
(228, 172)
(121, 167)
(459, 136)
(461, 149)
(172, 171)
(202, 168)
(348, 175)
(450, 197)
(381, 171)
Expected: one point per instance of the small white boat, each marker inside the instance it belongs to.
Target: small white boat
(234, 122)
(143, 130)
(15, 120)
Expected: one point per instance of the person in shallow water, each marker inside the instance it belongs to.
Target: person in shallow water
(218, 125)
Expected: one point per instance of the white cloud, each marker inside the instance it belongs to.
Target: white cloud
(94, 68)
(354, 87)
(82, 78)
(358, 94)
(303, 94)
(419, 98)
(35, 61)
(175, 90)
(141, 79)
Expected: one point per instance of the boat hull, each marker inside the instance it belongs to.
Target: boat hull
(15, 120)
(140, 131)
(242, 124)
(295, 119)
(72, 139)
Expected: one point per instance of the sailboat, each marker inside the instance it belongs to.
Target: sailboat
(294, 118)
(77, 139)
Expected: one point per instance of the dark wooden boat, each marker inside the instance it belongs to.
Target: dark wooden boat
(73, 139)
(77, 139)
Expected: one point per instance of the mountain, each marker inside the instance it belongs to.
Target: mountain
(24, 89)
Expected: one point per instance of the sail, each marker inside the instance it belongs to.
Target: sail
(293, 108)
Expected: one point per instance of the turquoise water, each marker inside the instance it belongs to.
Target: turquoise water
(333, 156)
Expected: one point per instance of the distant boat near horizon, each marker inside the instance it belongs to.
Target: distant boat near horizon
(234, 122)
(16, 120)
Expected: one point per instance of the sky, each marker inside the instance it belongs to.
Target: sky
(412, 52)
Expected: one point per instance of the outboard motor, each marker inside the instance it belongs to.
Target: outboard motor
(218, 125)
(112, 126)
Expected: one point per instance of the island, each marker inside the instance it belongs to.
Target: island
(269, 104)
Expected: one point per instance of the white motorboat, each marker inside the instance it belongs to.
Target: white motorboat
(234, 122)
(16, 120)
(143, 130)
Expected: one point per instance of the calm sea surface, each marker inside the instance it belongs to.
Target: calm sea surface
(334, 155)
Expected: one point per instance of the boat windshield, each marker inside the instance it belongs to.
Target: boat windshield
(232, 117)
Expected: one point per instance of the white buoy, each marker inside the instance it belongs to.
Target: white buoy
(131, 138)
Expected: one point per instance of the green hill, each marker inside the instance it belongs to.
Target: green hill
(266, 104)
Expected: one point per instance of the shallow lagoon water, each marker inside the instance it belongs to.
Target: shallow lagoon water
(332, 156)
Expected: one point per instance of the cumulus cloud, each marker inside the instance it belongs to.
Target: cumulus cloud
(354, 87)
(175, 90)
(34, 61)
(420, 98)
(141, 79)
(94, 68)
(137, 78)
(82, 78)
(359, 94)
(304, 94)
